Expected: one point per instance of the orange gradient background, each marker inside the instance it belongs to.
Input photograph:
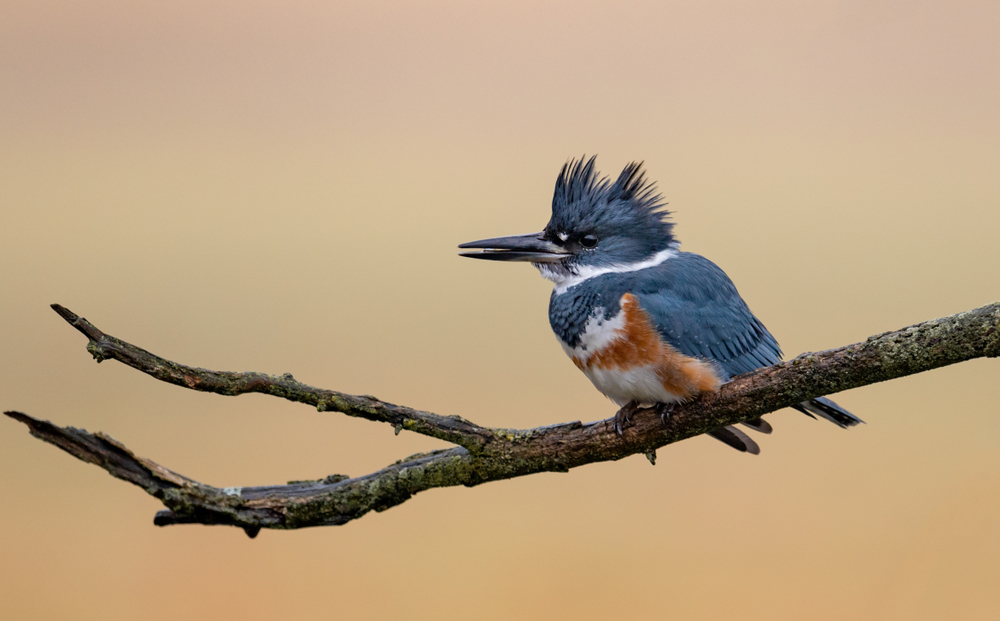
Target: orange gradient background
(280, 187)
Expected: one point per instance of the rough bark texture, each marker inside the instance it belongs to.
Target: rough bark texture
(489, 454)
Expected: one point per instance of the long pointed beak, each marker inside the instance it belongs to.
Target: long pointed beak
(531, 247)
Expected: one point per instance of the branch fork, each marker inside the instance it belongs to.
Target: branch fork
(485, 454)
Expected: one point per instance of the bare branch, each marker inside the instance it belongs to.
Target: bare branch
(496, 453)
(104, 346)
(333, 500)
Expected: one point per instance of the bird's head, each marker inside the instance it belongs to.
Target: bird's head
(596, 226)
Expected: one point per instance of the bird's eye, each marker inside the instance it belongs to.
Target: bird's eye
(588, 241)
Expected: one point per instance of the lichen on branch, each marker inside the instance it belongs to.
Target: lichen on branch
(487, 454)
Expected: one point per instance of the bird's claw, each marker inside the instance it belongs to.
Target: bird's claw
(665, 410)
(623, 416)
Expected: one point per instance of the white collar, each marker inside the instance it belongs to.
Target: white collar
(565, 281)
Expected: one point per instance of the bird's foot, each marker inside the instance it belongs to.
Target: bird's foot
(624, 415)
(665, 410)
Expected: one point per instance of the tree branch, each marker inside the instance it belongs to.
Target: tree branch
(104, 346)
(487, 454)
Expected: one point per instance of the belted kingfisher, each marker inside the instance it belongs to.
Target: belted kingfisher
(648, 324)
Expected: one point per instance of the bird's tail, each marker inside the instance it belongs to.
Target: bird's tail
(820, 406)
(824, 408)
(735, 438)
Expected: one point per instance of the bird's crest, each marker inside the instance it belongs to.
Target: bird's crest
(582, 198)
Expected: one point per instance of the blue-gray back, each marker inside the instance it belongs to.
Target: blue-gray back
(694, 305)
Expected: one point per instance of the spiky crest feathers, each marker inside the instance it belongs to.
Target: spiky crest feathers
(582, 195)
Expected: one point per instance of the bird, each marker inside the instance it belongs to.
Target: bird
(648, 324)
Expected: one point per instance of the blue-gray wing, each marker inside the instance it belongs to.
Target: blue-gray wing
(698, 311)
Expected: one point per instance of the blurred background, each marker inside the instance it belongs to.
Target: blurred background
(280, 187)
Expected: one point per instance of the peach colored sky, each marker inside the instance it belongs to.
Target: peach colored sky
(281, 187)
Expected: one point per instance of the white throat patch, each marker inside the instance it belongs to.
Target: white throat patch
(564, 281)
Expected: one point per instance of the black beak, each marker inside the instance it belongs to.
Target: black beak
(531, 247)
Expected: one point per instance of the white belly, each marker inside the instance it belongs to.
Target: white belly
(642, 384)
